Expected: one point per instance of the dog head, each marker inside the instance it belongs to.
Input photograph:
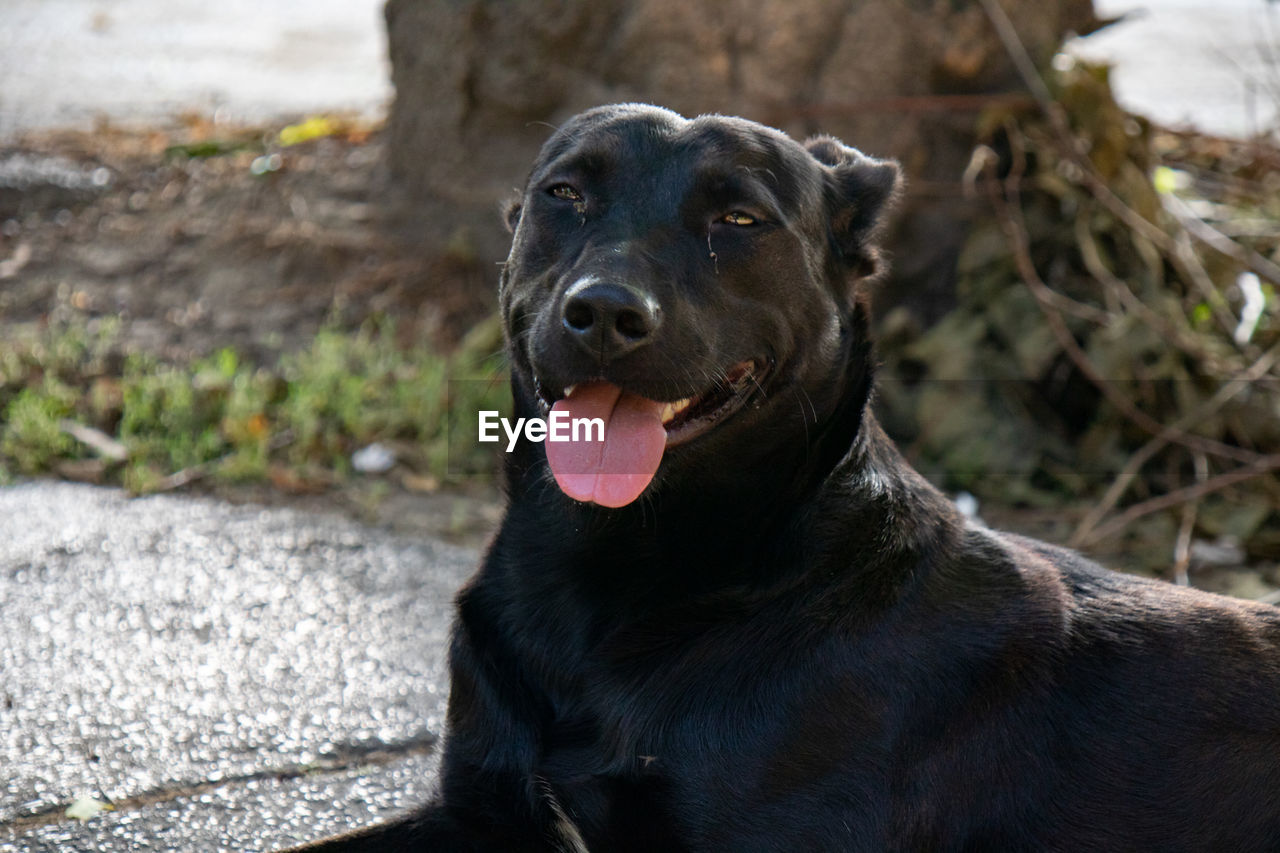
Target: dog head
(693, 283)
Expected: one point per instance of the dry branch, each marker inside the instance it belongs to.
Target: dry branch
(1262, 465)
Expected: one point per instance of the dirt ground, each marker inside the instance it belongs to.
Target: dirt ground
(249, 244)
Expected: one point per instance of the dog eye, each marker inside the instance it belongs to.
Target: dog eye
(564, 192)
(737, 217)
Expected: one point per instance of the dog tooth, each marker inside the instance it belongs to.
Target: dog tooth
(569, 390)
(668, 412)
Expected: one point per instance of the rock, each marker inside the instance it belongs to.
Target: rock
(373, 459)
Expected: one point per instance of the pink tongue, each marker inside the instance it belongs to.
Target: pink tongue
(615, 471)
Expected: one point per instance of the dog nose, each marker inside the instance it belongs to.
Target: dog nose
(609, 320)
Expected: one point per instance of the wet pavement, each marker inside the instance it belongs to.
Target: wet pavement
(229, 678)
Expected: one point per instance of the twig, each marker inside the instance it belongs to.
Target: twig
(1261, 465)
(1073, 148)
(13, 265)
(1178, 251)
(1120, 290)
(1170, 433)
(781, 113)
(200, 470)
(1182, 547)
(186, 476)
(1009, 214)
(96, 440)
(1018, 53)
(1080, 310)
(1185, 254)
(1216, 240)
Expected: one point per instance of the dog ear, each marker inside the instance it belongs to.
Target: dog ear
(511, 213)
(861, 191)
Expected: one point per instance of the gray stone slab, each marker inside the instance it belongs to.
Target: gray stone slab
(151, 645)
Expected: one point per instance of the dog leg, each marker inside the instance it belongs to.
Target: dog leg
(490, 801)
(430, 829)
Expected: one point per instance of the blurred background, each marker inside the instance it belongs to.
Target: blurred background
(250, 249)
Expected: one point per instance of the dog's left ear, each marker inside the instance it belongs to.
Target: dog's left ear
(861, 190)
(511, 213)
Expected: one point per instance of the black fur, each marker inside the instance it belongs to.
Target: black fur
(792, 641)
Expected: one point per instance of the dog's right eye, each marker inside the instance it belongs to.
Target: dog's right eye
(564, 192)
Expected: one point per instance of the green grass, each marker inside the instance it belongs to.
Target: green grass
(225, 417)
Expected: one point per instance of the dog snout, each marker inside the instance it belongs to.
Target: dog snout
(609, 320)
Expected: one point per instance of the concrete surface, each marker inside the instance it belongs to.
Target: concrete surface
(67, 62)
(1210, 64)
(231, 678)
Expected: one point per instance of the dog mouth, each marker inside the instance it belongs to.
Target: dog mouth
(615, 457)
(688, 417)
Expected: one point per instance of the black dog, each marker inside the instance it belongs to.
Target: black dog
(741, 622)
